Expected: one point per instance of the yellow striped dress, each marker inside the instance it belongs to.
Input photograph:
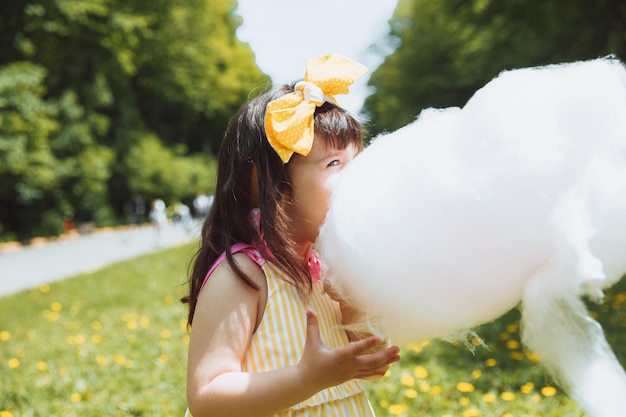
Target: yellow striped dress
(279, 342)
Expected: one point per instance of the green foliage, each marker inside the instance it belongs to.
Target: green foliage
(173, 177)
(26, 124)
(28, 169)
(450, 48)
(84, 84)
(114, 343)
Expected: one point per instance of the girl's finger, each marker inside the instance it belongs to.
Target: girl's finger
(312, 328)
(380, 359)
(362, 346)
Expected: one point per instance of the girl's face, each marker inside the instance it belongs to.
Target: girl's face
(312, 178)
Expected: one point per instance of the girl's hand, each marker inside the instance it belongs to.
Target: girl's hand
(325, 367)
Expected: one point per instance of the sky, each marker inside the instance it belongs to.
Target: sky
(283, 34)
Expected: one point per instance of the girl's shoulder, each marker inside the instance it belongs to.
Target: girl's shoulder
(250, 251)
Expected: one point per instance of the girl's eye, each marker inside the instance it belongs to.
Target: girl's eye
(333, 163)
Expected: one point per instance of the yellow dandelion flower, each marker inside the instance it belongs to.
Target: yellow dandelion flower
(119, 359)
(593, 314)
(536, 398)
(507, 396)
(163, 358)
(102, 360)
(477, 341)
(476, 373)
(436, 390)
(489, 397)
(5, 335)
(76, 397)
(96, 339)
(503, 336)
(465, 387)
(420, 372)
(56, 307)
(50, 315)
(548, 391)
(518, 356)
(507, 415)
(491, 362)
(532, 356)
(383, 403)
(144, 322)
(415, 347)
(407, 380)
(397, 409)
(527, 388)
(96, 325)
(169, 299)
(512, 328)
(44, 288)
(6, 413)
(186, 341)
(424, 386)
(410, 393)
(165, 334)
(471, 412)
(42, 366)
(464, 401)
(13, 363)
(512, 344)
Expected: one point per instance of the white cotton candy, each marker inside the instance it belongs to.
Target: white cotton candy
(520, 196)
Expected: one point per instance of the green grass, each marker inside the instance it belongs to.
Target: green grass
(114, 343)
(109, 343)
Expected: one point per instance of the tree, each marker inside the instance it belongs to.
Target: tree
(83, 83)
(448, 49)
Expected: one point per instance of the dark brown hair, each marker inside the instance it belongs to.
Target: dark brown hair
(251, 175)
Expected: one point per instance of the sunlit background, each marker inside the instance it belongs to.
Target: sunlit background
(107, 106)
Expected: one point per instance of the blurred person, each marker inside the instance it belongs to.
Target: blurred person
(137, 209)
(158, 216)
(201, 205)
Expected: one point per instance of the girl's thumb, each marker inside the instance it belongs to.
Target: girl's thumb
(312, 327)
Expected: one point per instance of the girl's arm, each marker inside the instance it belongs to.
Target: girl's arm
(224, 320)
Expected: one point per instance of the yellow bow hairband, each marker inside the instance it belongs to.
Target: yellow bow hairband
(289, 119)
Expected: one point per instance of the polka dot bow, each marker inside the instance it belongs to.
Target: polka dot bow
(289, 119)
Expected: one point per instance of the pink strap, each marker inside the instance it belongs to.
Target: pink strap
(252, 252)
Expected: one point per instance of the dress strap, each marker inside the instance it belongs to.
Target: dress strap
(253, 253)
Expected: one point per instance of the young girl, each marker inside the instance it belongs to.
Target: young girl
(265, 338)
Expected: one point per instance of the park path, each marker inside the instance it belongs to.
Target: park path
(33, 265)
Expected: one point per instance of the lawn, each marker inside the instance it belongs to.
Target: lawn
(114, 342)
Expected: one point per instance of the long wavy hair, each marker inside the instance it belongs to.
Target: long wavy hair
(251, 175)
